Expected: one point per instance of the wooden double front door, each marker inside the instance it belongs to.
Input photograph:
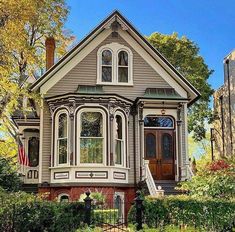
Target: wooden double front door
(159, 150)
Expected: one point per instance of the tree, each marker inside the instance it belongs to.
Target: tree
(183, 54)
(24, 25)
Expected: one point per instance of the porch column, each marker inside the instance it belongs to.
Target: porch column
(141, 134)
(179, 140)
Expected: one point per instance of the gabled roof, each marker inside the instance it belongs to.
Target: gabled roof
(193, 92)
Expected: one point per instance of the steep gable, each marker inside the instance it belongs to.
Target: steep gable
(85, 73)
(81, 56)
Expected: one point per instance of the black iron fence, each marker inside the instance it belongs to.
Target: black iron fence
(110, 214)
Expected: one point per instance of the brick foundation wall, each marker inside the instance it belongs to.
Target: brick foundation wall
(52, 193)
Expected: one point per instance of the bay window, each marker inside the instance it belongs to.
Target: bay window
(119, 136)
(91, 136)
(61, 137)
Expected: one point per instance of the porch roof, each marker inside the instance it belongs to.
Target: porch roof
(162, 93)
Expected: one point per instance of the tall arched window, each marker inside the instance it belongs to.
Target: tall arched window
(123, 72)
(92, 137)
(115, 65)
(62, 138)
(106, 66)
(119, 136)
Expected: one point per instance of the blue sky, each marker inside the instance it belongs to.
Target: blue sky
(209, 23)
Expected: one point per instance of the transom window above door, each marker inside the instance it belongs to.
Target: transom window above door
(153, 121)
(114, 65)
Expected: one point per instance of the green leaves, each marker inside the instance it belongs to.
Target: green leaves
(183, 54)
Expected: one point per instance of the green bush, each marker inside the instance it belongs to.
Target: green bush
(216, 180)
(206, 214)
(105, 216)
(25, 212)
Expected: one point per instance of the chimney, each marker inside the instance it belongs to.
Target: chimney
(50, 52)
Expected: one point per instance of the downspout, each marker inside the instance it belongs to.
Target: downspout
(222, 120)
(229, 102)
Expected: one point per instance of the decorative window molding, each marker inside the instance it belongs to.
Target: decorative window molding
(61, 140)
(63, 197)
(119, 138)
(121, 65)
(91, 137)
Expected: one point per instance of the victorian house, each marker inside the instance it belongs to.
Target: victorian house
(113, 112)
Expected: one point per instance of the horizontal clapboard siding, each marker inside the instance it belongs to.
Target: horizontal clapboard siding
(46, 145)
(85, 73)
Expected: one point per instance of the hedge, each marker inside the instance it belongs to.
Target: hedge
(22, 213)
(206, 214)
(109, 216)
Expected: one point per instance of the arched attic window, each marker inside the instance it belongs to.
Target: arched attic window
(107, 68)
(123, 67)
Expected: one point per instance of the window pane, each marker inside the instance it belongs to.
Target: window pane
(153, 121)
(106, 74)
(150, 145)
(33, 151)
(91, 124)
(123, 74)
(106, 57)
(123, 58)
(167, 146)
(63, 125)
(62, 143)
(118, 127)
(119, 151)
(91, 150)
(64, 198)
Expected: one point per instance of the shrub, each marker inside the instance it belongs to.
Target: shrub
(216, 180)
(205, 214)
(109, 216)
(25, 212)
(9, 178)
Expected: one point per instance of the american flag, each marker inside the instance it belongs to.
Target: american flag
(23, 158)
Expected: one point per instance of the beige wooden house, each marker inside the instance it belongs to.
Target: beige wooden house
(114, 113)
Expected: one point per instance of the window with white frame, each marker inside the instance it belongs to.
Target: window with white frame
(91, 136)
(107, 66)
(61, 138)
(63, 197)
(114, 65)
(119, 136)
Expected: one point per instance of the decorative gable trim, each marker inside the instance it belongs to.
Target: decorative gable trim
(126, 27)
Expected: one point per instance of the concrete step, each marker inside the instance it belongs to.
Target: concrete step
(168, 186)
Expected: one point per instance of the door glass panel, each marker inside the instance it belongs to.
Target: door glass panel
(150, 146)
(167, 146)
(156, 121)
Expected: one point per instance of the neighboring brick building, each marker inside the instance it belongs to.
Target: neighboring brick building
(224, 107)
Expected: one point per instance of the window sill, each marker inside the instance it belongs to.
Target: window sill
(89, 166)
(115, 84)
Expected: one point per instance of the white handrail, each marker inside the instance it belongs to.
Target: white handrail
(190, 171)
(149, 179)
